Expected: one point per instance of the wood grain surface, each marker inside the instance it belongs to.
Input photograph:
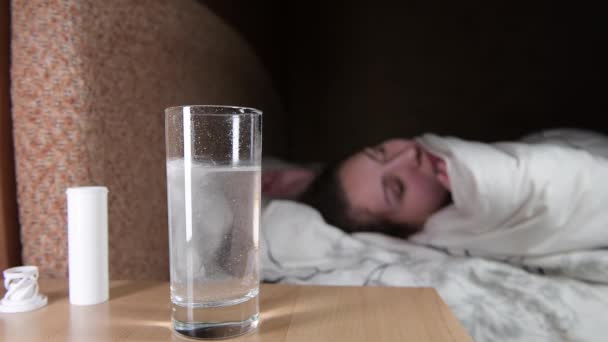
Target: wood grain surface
(140, 311)
(9, 229)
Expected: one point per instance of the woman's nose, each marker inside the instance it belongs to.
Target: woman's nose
(411, 153)
(407, 158)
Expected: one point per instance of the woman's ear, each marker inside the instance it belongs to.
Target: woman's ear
(286, 183)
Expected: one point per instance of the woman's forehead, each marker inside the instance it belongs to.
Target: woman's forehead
(360, 178)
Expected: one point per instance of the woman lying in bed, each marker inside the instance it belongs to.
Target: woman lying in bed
(545, 194)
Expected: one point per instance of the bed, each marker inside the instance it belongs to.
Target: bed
(561, 297)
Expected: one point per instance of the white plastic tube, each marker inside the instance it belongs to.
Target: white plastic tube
(88, 245)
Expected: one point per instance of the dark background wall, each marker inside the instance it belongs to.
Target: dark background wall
(351, 74)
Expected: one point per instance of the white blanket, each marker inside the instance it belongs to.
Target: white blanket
(546, 195)
(563, 297)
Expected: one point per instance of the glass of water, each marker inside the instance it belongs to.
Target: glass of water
(213, 185)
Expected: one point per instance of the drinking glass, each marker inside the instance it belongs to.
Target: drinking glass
(213, 190)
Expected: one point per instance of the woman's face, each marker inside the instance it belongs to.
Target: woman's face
(396, 181)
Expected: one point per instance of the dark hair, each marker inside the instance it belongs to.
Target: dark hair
(327, 195)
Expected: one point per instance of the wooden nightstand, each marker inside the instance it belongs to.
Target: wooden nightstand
(140, 311)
